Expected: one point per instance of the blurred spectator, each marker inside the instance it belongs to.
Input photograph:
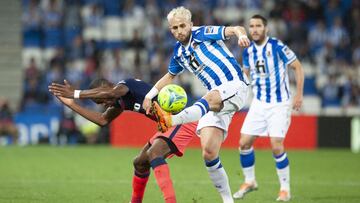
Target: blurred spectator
(331, 93)
(7, 124)
(77, 42)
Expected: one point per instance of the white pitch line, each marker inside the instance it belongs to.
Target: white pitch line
(182, 182)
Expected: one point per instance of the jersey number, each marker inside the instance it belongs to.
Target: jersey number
(137, 107)
(193, 62)
(260, 67)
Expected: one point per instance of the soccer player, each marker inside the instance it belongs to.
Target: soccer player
(201, 51)
(129, 95)
(266, 61)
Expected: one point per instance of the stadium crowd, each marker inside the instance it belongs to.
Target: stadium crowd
(84, 39)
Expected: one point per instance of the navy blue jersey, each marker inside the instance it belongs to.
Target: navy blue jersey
(134, 98)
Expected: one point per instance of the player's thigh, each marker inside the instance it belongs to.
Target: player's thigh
(255, 123)
(279, 119)
(215, 119)
(159, 148)
(211, 139)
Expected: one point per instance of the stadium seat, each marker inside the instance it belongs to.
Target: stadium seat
(70, 34)
(32, 52)
(332, 111)
(311, 105)
(352, 111)
(53, 38)
(31, 37)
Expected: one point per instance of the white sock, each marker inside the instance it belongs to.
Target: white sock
(192, 113)
(220, 180)
(283, 171)
(249, 174)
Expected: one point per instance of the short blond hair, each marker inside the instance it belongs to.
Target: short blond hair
(179, 12)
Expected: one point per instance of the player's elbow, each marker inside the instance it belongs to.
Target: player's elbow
(103, 122)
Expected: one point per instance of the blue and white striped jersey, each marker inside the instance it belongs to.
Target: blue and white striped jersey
(268, 70)
(207, 57)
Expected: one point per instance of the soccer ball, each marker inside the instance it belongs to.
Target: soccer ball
(172, 98)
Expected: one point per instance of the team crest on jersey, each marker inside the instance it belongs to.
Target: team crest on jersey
(268, 53)
(211, 30)
(194, 44)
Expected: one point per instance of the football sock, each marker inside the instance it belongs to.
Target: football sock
(283, 171)
(162, 176)
(192, 113)
(219, 178)
(247, 160)
(139, 183)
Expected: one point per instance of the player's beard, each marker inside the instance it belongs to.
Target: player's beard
(261, 39)
(186, 38)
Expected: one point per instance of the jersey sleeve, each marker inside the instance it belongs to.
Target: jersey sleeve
(245, 58)
(286, 54)
(174, 67)
(211, 33)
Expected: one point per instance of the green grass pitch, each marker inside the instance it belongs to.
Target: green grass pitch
(103, 174)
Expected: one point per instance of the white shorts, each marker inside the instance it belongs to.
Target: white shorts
(234, 95)
(264, 119)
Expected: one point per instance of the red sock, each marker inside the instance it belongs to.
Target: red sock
(139, 183)
(162, 176)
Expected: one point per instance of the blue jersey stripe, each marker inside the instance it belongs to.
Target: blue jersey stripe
(228, 74)
(267, 80)
(213, 75)
(216, 60)
(258, 94)
(237, 68)
(277, 72)
(204, 81)
(209, 71)
(286, 88)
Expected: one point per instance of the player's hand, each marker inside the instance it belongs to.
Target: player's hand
(243, 41)
(297, 102)
(62, 90)
(66, 101)
(147, 105)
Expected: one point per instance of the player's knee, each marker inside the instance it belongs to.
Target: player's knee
(214, 100)
(141, 164)
(278, 149)
(245, 144)
(209, 154)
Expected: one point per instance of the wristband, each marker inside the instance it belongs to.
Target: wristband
(152, 93)
(77, 94)
(242, 36)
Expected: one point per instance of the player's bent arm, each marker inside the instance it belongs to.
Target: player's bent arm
(165, 80)
(104, 92)
(299, 75)
(101, 119)
(240, 32)
(234, 31)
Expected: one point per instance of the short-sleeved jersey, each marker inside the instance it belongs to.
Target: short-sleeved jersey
(134, 98)
(207, 57)
(268, 70)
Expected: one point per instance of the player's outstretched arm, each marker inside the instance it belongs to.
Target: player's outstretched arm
(165, 80)
(299, 75)
(66, 90)
(101, 119)
(240, 32)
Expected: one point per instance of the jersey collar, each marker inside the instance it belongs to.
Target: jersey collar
(263, 44)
